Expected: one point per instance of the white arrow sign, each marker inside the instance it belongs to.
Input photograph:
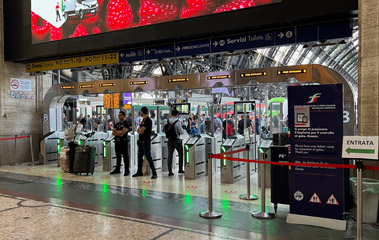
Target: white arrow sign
(148, 51)
(122, 55)
(281, 35)
(215, 43)
(178, 49)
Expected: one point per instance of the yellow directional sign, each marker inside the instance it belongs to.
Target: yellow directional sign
(85, 61)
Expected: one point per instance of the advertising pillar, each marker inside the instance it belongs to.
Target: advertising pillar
(316, 128)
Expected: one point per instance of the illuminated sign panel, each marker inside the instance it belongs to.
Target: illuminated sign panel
(138, 83)
(68, 87)
(178, 80)
(257, 74)
(62, 19)
(112, 100)
(292, 71)
(76, 62)
(87, 86)
(107, 84)
(218, 77)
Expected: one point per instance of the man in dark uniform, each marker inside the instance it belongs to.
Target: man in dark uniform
(120, 131)
(144, 143)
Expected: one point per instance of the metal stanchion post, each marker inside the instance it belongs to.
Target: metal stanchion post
(248, 196)
(31, 151)
(359, 200)
(210, 213)
(263, 214)
(15, 152)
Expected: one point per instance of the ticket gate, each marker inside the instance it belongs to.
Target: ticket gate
(175, 157)
(109, 153)
(97, 141)
(194, 157)
(233, 171)
(209, 148)
(49, 147)
(156, 150)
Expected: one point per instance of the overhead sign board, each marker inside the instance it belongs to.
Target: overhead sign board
(360, 147)
(76, 62)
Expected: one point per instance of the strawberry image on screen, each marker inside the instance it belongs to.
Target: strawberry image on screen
(119, 15)
(234, 5)
(156, 11)
(62, 19)
(195, 8)
(40, 27)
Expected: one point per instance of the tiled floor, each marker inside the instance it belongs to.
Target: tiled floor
(42, 202)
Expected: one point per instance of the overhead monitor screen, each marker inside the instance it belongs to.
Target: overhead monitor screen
(184, 108)
(53, 20)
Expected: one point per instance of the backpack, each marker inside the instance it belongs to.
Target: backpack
(70, 132)
(230, 128)
(169, 130)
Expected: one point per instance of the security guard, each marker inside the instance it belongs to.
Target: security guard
(120, 131)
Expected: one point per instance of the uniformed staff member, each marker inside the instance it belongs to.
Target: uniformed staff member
(120, 131)
(144, 143)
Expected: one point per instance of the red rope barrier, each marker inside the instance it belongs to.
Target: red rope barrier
(371, 168)
(12, 138)
(321, 165)
(228, 153)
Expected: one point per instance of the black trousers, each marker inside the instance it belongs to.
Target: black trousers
(71, 154)
(121, 148)
(144, 148)
(58, 16)
(172, 145)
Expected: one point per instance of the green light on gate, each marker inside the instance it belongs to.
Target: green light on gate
(59, 180)
(223, 149)
(188, 199)
(187, 148)
(105, 187)
(144, 193)
(59, 146)
(80, 142)
(261, 150)
(105, 149)
(225, 204)
(187, 157)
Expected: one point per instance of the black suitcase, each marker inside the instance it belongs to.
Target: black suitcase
(84, 159)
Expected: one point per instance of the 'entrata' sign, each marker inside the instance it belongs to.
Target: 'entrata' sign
(360, 147)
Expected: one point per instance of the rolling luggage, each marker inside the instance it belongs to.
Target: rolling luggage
(64, 159)
(85, 159)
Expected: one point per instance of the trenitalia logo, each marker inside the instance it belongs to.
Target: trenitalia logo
(313, 98)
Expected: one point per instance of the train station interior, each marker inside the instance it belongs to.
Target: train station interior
(272, 103)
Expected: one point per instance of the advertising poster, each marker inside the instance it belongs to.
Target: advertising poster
(316, 125)
(53, 20)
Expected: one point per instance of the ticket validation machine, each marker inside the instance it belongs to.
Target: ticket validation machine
(194, 157)
(156, 151)
(233, 171)
(107, 155)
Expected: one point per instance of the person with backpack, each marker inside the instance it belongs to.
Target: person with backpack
(173, 129)
(228, 126)
(73, 135)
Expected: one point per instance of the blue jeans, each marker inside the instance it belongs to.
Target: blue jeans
(144, 148)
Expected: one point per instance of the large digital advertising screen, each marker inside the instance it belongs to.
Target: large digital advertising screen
(53, 20)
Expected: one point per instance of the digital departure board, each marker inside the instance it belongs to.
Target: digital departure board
(112, 101)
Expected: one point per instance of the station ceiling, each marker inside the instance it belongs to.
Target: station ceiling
(340, 55)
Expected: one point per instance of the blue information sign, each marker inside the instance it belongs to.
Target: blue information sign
(246, 41)
(132, 55)
(160, 52)
(192, 48)
(285, 36)
(316, 124)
